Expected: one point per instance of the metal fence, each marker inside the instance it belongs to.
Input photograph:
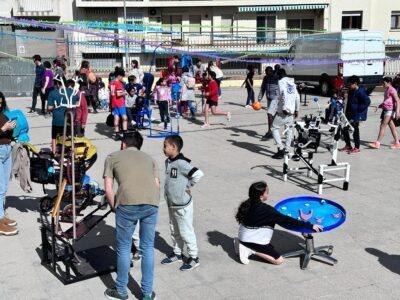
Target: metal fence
(16, 77)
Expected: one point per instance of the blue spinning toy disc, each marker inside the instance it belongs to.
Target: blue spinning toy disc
(316, 210)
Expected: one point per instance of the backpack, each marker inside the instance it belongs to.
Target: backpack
(190, 82)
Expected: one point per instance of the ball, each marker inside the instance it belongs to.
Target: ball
(257, 105)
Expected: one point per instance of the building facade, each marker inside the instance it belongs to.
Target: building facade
(251, 27)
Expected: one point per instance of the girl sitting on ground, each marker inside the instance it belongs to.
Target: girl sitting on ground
(390, 112)
(256, 226)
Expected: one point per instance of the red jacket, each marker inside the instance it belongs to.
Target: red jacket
(212, 91)
(81, 112)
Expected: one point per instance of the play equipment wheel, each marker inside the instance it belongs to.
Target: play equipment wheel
(46, 204)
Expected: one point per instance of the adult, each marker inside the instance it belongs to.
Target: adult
(356, 111)
(287, 111)
(136, 201)
(269, 87)
(249, 84)
(37, 85)
(89, 84)
(211, 93)
(47, 84)
(7, 226)
(173, 65)
(219, 75)
(136, 71)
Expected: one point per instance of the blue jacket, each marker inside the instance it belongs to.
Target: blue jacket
(357, 105)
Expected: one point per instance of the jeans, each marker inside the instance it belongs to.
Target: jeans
(218, 80)
(36, 91)
(182, 231)
(356, 135)
(250, 96)
(5, 171)
(164, 111)
(127, 217)
(192, 108)
(281, 120)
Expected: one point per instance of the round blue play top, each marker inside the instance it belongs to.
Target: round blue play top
(315, 210)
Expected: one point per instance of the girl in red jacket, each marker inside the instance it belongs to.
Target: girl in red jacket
(211, 93)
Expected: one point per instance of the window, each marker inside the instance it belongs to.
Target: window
(266, 29)
(395, 20)
(352, 20)
(173, 23)
(297, 27)
(195, 23)
(227, 23)
(135, 19)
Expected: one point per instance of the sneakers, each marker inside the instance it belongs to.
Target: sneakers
(375, 145)
(229, 116)
(267, 136)
(279, 155)
(244, 254)
(345, 148)
(353, 151)
(7, 230)
(205, 126)
(247, 106)
(114, 295)
(172, 258)
(395, 146)
(190, 264)
(150, 297)
(8, 222)
(31, 112)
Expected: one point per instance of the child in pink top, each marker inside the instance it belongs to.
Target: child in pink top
(162, 94)
(390, 111)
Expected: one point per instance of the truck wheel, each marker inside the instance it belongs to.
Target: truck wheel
(324, 87)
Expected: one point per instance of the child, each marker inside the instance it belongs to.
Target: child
(256, 226)
(249, 86)
(390, 110)
(104, 96)
(54, 105)
(187, 92)
(180, 177)
(176, 91)
(335, 106)
(130, 100)
(211, 94)
(163, 95)
(118, 93)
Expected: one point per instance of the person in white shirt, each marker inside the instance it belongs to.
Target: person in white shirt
(137, 71)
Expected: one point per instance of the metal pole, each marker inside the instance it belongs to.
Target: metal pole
(126, 42)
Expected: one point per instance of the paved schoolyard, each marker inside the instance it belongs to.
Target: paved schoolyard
(232, 157)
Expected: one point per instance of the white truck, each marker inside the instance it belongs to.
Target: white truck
(317, 59)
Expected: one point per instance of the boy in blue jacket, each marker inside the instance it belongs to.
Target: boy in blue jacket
(356, 111)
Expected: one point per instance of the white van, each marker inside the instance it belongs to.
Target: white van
(338, 50)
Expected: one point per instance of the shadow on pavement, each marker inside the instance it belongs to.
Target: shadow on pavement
(23, 203)
(389, 261)
(103, 129)
(161, 244)
(217, 238)
(252, 147)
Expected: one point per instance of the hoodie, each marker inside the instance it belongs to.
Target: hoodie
(357, 105)
(180, 176)
(289, 99)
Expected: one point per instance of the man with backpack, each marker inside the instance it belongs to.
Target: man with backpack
(287, 111)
